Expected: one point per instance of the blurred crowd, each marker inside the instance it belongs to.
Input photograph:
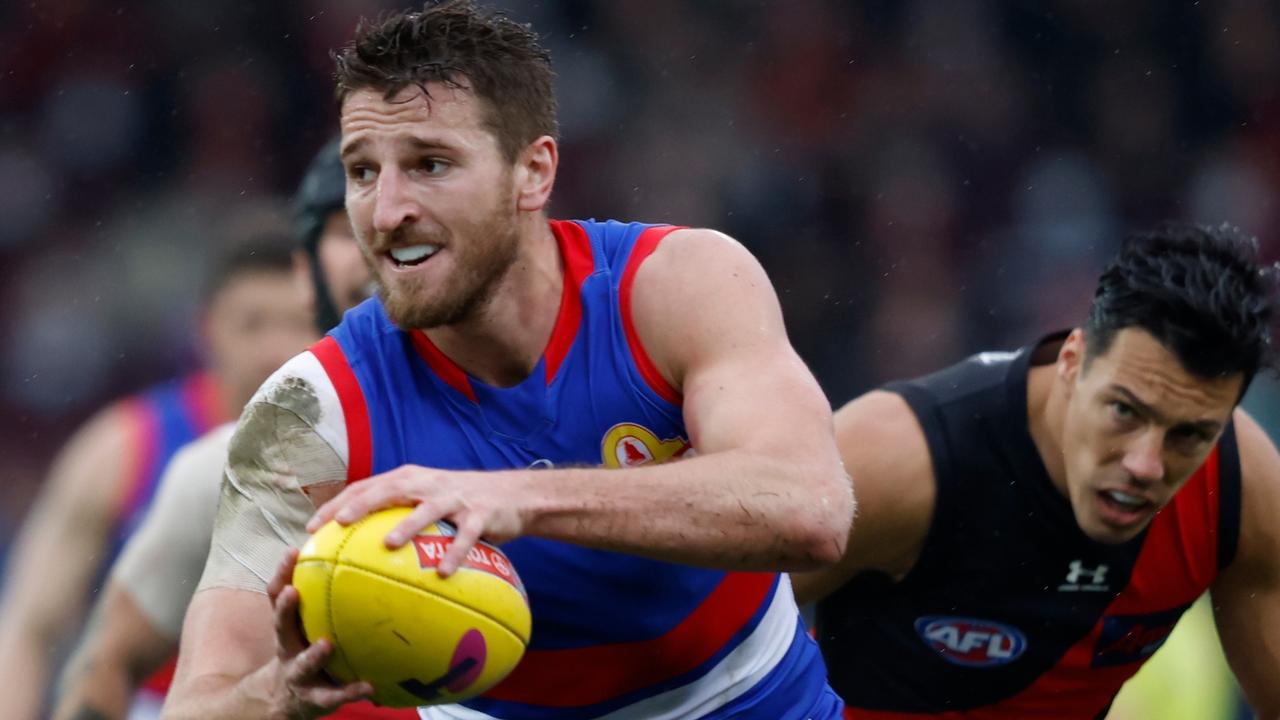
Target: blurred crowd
(922, 178)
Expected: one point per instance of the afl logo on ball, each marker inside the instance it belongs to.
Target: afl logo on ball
(971, 642)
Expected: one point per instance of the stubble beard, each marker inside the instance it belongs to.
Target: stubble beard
(482, 260)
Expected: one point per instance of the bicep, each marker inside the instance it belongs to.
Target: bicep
(1246, 597)
(707, 314)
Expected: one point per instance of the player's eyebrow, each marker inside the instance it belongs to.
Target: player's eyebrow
(351, 147)
(414, 142)
(1208, 427)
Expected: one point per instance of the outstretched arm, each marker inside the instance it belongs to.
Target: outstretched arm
(55, 557)
(766, 490)
(1246, 598)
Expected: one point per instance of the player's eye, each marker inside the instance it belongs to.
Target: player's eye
(433, 166)
(1122, 411)
(361, 174)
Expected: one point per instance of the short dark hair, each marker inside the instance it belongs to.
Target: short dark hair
(1202, 292)
(261, 252)
(457, 44)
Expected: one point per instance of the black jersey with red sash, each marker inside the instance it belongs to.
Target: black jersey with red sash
(1011, 611)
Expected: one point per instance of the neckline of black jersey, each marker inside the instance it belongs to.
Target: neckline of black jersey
(1055, 505)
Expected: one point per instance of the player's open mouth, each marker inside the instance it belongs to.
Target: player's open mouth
(412, 255)
(1121, 508)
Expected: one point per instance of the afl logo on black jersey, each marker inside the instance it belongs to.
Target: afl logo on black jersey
(971, 642)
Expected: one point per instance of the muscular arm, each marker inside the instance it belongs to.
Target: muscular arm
(55, 558)
(884, 449)
(232, 664)
(137, 621)
(1246, 597)
(766, 490)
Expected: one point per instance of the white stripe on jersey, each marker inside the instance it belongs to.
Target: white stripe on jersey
(735, 674)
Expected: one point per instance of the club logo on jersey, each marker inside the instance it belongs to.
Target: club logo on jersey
(631, 445)
(1081, 578)
(971, 642)
(1126, 639)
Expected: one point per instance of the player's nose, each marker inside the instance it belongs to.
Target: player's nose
(393, 204)
(1144, 457)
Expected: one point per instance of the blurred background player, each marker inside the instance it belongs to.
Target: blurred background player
(135, 626)
(1033, 524)
(102, 483)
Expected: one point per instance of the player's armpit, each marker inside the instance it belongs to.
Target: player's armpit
(884, 451)
(1246, 597)
(278, 467)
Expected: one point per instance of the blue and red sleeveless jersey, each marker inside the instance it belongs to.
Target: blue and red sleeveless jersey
(613, 634)
(162, 419)
(1011, 611)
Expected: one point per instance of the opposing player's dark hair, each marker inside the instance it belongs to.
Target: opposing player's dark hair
(267, 251)
(1202, 292)
(457, 44)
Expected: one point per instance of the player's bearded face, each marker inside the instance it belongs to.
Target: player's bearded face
(1137, 427)
(432, 201)
(478, 252)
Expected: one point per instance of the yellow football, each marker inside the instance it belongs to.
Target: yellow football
(394, 622)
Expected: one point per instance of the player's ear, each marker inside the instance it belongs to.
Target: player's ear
(1071, 357)
(535, 173)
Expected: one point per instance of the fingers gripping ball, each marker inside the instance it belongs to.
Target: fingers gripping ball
(394, 622)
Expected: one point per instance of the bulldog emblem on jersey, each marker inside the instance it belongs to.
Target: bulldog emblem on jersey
(631, 445)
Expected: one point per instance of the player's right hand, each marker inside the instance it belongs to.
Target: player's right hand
(302, 690)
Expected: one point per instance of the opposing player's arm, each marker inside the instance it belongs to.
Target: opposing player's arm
(1246, 598)
(136, 623)
(884, 449)
(243, 654)
(765, 491)
(56, 555)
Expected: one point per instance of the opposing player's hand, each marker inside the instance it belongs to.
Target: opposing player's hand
(302, 690)
(478, 504)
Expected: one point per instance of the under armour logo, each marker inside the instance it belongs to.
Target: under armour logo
(1095, 578)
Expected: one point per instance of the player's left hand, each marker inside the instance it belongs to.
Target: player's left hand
(478, 504)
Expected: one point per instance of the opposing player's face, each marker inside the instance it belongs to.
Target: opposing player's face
(431, 200)
(1137, 426)
(256, 322)
(346, 273)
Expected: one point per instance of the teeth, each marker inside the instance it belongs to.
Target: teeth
(1125, 498)
(413, 253)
